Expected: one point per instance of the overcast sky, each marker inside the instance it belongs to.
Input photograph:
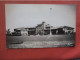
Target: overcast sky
(29, 15)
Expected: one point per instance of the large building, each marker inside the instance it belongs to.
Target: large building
(43, 29)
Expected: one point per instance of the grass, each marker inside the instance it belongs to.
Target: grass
(40, 41)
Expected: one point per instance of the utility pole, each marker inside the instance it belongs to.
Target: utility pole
(50, 26)
(27, 31)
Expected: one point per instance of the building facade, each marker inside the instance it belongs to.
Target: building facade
(43, 29)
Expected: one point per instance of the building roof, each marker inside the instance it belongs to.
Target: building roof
(66, 27)
(69, 28)
(22, 28)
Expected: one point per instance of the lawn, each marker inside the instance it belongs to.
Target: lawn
(40, 41)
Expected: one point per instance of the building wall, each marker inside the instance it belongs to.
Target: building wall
(40, 29)
(68, 31)
(24, 32)
(43, 29)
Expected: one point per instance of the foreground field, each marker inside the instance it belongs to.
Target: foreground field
(40, 41)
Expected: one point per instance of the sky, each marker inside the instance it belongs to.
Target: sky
(29, 15)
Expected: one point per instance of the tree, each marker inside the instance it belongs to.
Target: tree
(8, 32)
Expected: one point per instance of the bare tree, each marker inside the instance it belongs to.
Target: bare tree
(8, 32)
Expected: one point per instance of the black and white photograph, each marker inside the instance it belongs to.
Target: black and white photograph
(40, 25)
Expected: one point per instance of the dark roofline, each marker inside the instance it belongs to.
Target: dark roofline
(66, 27)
